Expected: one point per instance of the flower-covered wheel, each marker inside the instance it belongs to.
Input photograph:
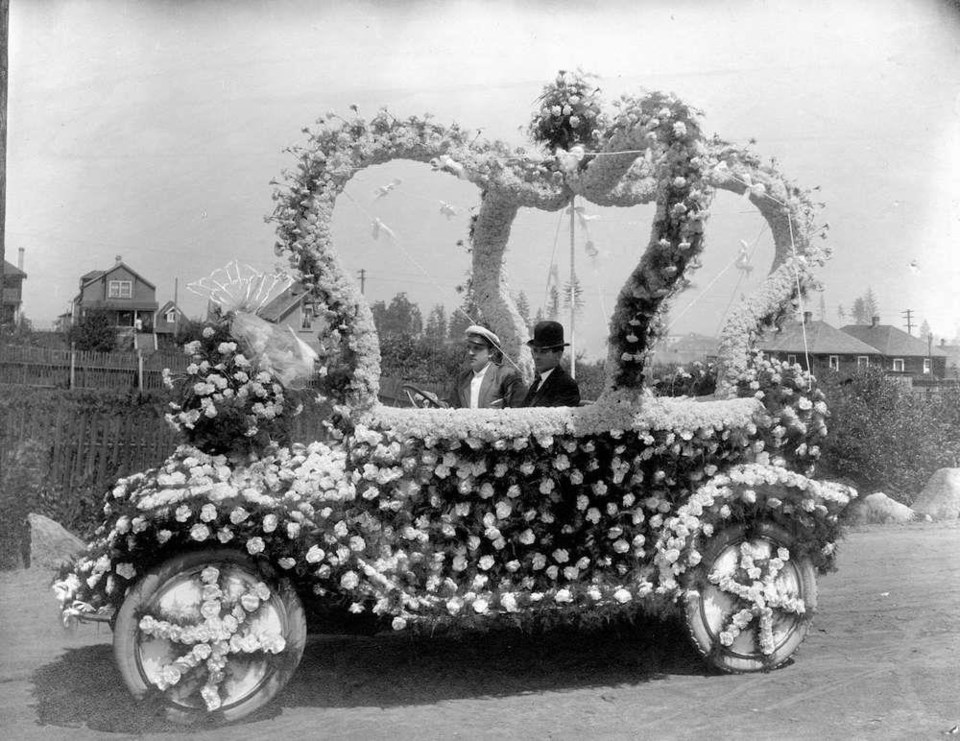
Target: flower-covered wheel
(212, 632)
(751, 598)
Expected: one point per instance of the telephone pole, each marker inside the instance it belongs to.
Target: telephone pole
(363, 279)
(908, 313)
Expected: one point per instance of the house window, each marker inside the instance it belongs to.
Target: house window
(862, 361)
(306, 320)
(834, 361)
(170, 317)
(120, 289)
(927, 365)
(791, 359)
(898, 364)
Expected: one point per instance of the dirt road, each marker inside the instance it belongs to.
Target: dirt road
(881, 661)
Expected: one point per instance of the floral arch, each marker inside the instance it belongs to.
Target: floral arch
(649, 150)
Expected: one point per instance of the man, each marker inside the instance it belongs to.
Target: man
(485, 384)
(552, 385)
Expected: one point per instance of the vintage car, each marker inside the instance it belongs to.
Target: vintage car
(208, 567)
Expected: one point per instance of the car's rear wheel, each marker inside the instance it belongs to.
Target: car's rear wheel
(253, 623)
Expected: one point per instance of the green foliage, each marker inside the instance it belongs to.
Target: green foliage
(95, 332)
(885, 438)
(401, 318)
(420, 359)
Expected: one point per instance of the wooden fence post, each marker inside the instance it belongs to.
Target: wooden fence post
(73, 365)
(140, 369)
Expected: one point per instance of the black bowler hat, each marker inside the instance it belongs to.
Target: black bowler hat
(548, 336)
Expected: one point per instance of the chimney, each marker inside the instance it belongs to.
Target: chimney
(20, 259)
(807, 317)
(119, 259)
(875, 321)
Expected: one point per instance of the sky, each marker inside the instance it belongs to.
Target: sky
(153, 129)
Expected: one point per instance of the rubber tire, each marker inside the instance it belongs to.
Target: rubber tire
(707, 641)
(126, 631)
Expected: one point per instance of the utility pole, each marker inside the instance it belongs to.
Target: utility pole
(908, 313)
(4, 73)
(363, 279)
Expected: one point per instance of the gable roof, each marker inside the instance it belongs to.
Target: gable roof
(97, 274)
(168, 306)
(891, 341)
(12, 271)
(821, 339)
(284, 302)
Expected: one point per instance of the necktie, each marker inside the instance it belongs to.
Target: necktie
(533, 389)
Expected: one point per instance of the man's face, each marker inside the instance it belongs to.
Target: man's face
(478, 354)
(545, 359)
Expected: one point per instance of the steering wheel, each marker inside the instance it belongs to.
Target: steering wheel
(420, 398)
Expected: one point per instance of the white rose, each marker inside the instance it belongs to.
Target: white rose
(199, 532)
(255, 545)
(208, 513)
(563, 596)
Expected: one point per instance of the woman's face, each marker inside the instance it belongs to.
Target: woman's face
(478, 353)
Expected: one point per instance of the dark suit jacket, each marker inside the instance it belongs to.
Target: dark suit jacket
(559, 390)
(499, 382)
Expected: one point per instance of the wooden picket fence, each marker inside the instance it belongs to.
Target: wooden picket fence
(74, 369)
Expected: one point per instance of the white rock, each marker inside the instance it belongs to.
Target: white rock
(878, 508)
(50, 543)
(940, 498)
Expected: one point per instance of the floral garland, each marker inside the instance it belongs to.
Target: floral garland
(223, 630)
(651, 149)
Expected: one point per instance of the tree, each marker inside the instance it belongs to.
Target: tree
(871, 306)
(436, 329)
(573, 287)
(924, 329)
(523, 307)
(841, 313)
(95, 332)
(401, 318)
(552, 309)
(823, 308)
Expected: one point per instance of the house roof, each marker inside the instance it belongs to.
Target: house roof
(891, 341)
(168, 306)
(12, 271)
(97, 274)
(284, 303)
(821, 339)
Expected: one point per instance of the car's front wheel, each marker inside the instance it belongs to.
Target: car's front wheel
(212, 631)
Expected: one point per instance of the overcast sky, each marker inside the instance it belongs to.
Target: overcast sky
(152, 130)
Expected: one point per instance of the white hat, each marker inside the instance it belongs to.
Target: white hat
(490, 337)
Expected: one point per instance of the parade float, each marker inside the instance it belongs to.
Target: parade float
(209, 567)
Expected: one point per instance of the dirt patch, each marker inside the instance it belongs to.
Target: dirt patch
(880, 660)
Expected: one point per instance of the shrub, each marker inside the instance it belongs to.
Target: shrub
(885, 438)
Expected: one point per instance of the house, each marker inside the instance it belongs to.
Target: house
(825, 346)
(126, 296)
(169, 318)
(953, 358)
(901, 353)
(296, 308)
(11, 307)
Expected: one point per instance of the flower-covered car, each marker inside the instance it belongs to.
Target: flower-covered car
(208, 566)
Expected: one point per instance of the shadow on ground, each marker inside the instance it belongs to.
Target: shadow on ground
(83, 687)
